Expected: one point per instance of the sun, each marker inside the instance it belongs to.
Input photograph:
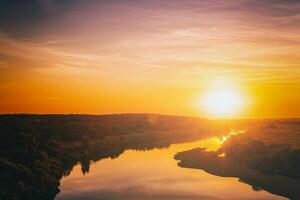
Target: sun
(222, 102)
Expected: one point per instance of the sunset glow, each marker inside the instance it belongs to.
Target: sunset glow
(149, 99)
(102, 57)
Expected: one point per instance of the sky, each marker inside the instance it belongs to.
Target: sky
(140, 56)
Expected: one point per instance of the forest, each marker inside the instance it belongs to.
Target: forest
(36, 151)
(266, 156)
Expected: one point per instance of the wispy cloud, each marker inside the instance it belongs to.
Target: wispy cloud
(169, 42)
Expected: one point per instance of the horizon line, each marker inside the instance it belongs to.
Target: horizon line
(144, 113)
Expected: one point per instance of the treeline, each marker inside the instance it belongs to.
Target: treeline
(272, 149)
(266, 156)
(267, 159)
(37, 150)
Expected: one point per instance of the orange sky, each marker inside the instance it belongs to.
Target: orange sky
(149, 56)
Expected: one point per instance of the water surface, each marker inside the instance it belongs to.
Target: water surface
(154, 174)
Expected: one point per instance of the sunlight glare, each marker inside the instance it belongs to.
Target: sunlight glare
(222, 102)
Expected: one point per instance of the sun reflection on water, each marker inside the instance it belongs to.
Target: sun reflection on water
(154, 172)
(232, 133)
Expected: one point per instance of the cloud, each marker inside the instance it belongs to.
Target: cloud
(41, 18)
(151, 35)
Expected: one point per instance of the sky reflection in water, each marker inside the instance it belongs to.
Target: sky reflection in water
(154, 174)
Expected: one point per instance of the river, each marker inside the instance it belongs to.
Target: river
(154, 174)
